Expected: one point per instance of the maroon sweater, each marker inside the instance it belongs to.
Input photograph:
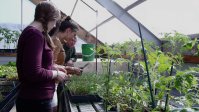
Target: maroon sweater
(34, 66)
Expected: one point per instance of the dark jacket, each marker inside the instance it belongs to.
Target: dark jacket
(70, 53)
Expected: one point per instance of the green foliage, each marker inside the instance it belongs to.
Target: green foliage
(131, 90)
(85, 84)
(125, 93)
(8, 72)
(10, 63)
(178, 43)
(9, 37)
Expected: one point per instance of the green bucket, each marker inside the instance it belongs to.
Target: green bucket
(88, 53)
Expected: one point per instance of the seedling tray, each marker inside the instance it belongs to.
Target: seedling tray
(83, 98)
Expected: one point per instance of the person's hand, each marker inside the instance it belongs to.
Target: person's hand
(60, 68)
(77, 70)
(70, 63)
(61, 76)
(73, 70)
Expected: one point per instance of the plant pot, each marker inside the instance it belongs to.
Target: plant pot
(83, 98)
(8, 52)
(191, 59)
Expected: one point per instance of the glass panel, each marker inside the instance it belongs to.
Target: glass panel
(84, 16)
(102, 15)
(165, 16)
(10, 11)
(114, 32)
(9, 6)
(65, 5)
(28, 12)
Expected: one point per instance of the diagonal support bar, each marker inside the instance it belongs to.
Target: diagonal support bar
(123, 16)
(112, 17)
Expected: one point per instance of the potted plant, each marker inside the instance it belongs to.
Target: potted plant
(10, 37)
(193, 47)
(84, 88)
(183, 45)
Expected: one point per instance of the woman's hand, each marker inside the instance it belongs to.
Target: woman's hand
(60, 68)
(60, 76)
(77, 71)
(73, 70)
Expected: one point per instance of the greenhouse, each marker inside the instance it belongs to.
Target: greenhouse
(99, 56)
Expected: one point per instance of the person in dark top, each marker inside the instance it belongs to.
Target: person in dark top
(36, 71)
(70, 51)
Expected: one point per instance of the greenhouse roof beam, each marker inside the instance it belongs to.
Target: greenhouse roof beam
(126, 9)
(128, 20)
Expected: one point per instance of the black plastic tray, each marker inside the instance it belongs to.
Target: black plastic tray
(83, 98)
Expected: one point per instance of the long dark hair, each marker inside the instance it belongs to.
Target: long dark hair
(68, 23)
(46, 11)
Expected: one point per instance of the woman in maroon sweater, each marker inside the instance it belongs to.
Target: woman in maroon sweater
(35, 67)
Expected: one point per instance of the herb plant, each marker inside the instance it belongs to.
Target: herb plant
(84, 84)
(9, 36)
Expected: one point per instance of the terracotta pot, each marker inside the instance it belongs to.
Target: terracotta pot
(191, 59)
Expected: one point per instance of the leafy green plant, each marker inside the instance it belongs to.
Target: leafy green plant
(11, 63)
(9, 37)
(159, 68)
(8, 72)
(177, 43)
(120, 91)
(125, 93)
(84, 84)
